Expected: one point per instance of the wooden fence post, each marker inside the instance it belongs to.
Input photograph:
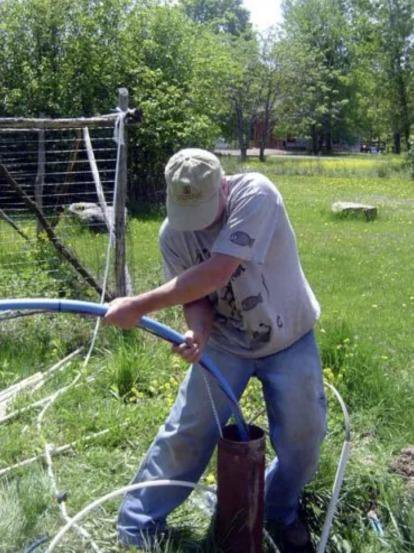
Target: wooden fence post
(41, 171)
(120, 202)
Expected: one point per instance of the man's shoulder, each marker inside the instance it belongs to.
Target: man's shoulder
(253, 182)
(168, 236)
(166, 232)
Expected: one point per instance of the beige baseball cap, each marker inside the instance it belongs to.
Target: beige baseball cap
(193, 178)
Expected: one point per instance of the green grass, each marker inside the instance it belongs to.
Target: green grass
(362, 274)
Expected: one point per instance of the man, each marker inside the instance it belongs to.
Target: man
(231, 259)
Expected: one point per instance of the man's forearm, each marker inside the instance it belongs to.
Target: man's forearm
(194, 284)
(199, 316)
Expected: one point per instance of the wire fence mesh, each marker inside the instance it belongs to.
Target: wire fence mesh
(67, 191)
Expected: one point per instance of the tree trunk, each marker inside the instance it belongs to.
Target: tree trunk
(327, 133)
(264, 139)
(405, 117)
(243, 153)
(315, 140)
(397, 142)
(240, 132)
(328, 141)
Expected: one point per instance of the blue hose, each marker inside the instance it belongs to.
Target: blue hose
(154, 327)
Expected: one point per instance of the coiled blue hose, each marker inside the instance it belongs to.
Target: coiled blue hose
(154, 327)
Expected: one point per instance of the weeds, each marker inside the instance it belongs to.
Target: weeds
(362, 275)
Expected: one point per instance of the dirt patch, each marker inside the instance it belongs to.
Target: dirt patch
(404, 465)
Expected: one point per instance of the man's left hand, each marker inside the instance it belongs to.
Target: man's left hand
(192, 348)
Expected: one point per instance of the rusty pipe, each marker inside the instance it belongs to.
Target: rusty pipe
(240, 491)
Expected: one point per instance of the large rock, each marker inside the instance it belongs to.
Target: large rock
(350, 208)
(90, 215)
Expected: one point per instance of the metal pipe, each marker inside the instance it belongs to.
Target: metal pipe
(240, 491)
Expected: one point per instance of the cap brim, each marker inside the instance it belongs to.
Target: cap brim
(192, 217)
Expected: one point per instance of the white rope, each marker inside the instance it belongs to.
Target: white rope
(62, 504)
(58, 367)
(48, 447)
(212, 403)
(270, 541)
(125, 489)
(97, 180)
(119, 128)
(119, 136)
(37, 403)
(34, 382)
(132, 487)
(340, 472)
(53, 451)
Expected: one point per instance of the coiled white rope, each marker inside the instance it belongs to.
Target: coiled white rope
(340, 472)
(132, 487)
(48, 448)
(212, 404)
(157, 483)
(111, 495)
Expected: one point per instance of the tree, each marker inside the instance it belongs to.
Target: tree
(228, 16)
(61, 58)
(270, 89)
(69, 58)
(383, 64)
(395, 25)
(178, 71)
(242, 90)
(316, 67)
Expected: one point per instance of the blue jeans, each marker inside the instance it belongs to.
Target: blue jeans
(296, 408)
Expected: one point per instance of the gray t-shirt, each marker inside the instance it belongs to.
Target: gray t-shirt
(268, 303)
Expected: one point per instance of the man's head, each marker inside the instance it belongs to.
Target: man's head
(194, 181)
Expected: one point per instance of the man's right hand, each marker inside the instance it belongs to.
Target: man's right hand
(124, 312)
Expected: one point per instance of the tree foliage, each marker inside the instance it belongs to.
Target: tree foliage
(176, 77)
(336, 71)
(317, 60)
(383, 55)
(69, 58)
(228, 16)
(61, 57)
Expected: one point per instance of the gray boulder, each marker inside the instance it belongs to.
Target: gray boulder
(370, 212)
(90, 215)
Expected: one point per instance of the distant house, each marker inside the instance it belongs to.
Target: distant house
(276, 141)
(288, 143)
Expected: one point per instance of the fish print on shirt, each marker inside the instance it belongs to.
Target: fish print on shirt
(241, 239)
(251, 302)
(235, 323)
(202, 255)
(265, 286)
(238, 272)
(229, 298)
(262, 335)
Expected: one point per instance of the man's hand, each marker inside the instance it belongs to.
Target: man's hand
(124, 312)
(192, 349)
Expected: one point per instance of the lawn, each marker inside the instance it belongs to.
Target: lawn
(362, 274)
